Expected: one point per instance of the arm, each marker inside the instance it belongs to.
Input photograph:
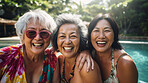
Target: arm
(83, 57)
(52, 50)
(93, 76)
(126, 70)
(56, 75)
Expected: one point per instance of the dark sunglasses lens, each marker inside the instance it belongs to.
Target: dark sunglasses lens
(31, 34)
(44, 34)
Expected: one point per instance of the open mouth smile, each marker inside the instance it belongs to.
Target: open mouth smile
(37, 45)
(101, 43)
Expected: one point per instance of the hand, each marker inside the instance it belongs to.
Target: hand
(83, 57)
(52, 50)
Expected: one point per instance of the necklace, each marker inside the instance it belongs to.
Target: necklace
(71, 74)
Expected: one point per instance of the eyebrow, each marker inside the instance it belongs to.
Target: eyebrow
(104, 28)
(107, 28)
(61, 33)
(36, 28)
(31, 27)
(64, 33)
(72, 32)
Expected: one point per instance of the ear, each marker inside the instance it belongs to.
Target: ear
(22, 39)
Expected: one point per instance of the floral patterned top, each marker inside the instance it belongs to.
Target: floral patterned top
(12, 65)
(113, 75)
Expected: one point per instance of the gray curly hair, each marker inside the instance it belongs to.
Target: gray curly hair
(71, 19)
(43, 17)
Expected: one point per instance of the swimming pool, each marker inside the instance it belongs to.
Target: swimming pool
(138, 50)
(139, 53)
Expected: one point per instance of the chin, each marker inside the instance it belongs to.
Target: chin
(68, 55)
(100, 50)
(38, 51)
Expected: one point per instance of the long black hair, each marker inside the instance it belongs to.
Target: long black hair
(116, 44)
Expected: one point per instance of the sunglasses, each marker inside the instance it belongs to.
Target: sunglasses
(32, 34)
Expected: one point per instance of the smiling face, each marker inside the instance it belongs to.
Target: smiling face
(68, 40)
(102, 36)
(37, 45)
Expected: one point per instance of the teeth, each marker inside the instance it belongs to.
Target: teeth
(37, 44)
(101, 42)
(67, 48)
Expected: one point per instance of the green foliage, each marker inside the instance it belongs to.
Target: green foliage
(95, 9)
(140, 16)
(131, 15)
(86, 18)
(12, 9)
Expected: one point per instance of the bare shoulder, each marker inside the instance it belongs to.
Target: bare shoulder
(93, 76)
(124, 60)
(84, 69)
(126, 68)
(125, 63)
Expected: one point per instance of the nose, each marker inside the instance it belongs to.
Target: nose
(101, 35)
(67, 40)
(37, 37)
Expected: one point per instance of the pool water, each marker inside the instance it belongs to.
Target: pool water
(138, 52)
(4, 43)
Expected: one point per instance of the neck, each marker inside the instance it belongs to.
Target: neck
(104, 55)
(68, 69)
(70, 61)
(32, 57)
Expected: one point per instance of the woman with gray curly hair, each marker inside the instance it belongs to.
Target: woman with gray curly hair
(30, 61)
(70, 38)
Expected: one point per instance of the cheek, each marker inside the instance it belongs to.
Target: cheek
(47, 41)
(111, 37)
(26, 40)
(93, 36)
(58, 42)
(78, 43)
